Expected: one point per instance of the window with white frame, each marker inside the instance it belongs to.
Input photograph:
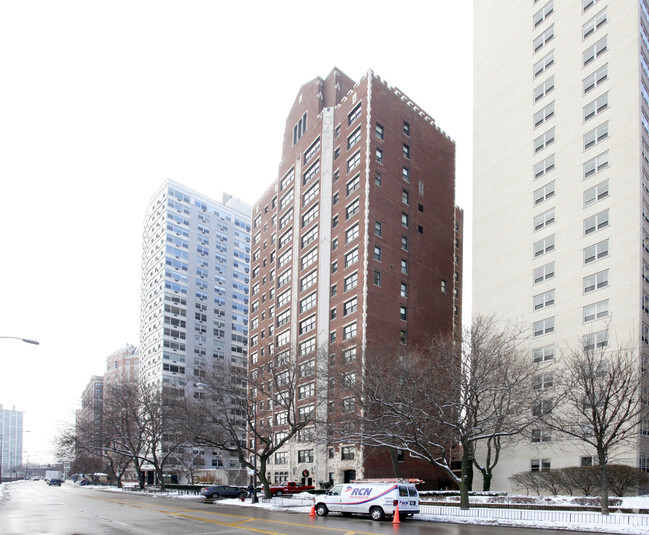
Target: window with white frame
(543, 89)
(544, 300)
(543, 381)
(539, 465)
(285, 238)
(349, 331)
(309, 280)
(544, 114)
(351, 233)
(307, 347)
(353, 138)
(354, 161)
(377, 253)
(283, 298)
(283, 338)
(285, 258)
(587, 4)
(309, 258)
(543, 64)
(544, 140)
(544, 166)
(595, 222)
(593, 80)
(544, 219)
(544, 246)
(544, 193)
(307, 324)
(286, 219)
(542, 435)
(351, 281)
(595, 252)
(595, 311)
(310, 236)
(351, 257)
(350, 306)
(349, 355)
(596, 340)
(354, 114)
(595, 107)
(403, 291)
(595, 23)
(311, 151)
(353, 184)
(544, 326)
(543, 354)
(543, 39)
(596, 135)
(308, 302)
(543, 13)
(286, 200)
(284, 317)
(596, 281)
(596, 164)
(310, 215)
(596, 193)
(304, 413)
(352, 208)
(284, 278)
(311, 194)
(595, 51)
(311, 173)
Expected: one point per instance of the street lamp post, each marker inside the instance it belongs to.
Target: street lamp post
(26, 340)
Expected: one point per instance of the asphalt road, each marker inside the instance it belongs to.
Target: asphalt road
(31, 507)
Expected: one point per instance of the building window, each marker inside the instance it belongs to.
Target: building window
(544, 326)
(543, 89)
(543, 381)
(596, 164)
(353, 184)
(379, 131)
(544, 114)
(543, 354)
(377, 278)
(347, 453)
(541, 435)
(538, 465)
(543, 167)
(596, 281)
(378, 229)
(595, 107)
(596, 135)
(543, 64)
(299, 129)
(377, 178)
(595, 222)
(593, 80)
(444, 286)
(596, 193)
(597, 340)
(377, 253)
(544, 140)
(305, 456)
(544, 193)
(404, 290)
(354, 114)
(311, 173)
(544, 300)
(379, 155)
(595, 252)
(405, 174)
(350, 306)
(351, 257)
(544, 246)
(306, 391)
(403, 337)
(349, 331)
(351, 233)
(403, 313)
(404, 220)
(349, 355)
(406, 151)
(404, 243)
(405, 197)
(351, 281)
(310, 153)
(404, 266)
(544, 219)
(353, 138)
(543, 39)
(406, 128)
(309, 280)
(595, 311)
(354, 161)
(595, 51)
(543, 13)
(352, 209)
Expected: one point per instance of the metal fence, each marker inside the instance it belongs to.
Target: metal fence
(573, 517)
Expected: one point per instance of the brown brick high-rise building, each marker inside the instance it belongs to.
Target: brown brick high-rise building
(355, 247)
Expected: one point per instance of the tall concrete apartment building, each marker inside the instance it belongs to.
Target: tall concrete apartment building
(356, 247)
(561, 182)
(11, 443)
(195, 283)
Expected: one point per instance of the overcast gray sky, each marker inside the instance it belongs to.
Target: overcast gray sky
(101, 101)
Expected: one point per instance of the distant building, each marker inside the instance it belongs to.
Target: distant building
(11, 442)
(122, 365)
(356, 247)
(92, 409)
(194, 296)
(561, 193)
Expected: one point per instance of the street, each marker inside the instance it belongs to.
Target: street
(31, 507)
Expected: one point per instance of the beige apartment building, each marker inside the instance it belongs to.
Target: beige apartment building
(561, 181)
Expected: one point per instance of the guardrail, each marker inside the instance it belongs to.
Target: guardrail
(573, 517)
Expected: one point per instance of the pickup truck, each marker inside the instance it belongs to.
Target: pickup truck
(289, 487)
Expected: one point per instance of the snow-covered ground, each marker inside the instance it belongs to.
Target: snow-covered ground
(302, 504)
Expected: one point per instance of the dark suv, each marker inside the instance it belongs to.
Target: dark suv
(223, 491)
(55, 482)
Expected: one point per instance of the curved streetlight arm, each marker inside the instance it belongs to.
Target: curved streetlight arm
(26, 340)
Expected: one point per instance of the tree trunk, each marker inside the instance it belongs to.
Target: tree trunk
(464, 489)
(161, 481)
(603, 474)
(486, 481)
(395, 463)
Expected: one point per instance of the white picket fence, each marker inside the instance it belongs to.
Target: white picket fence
(572, 517)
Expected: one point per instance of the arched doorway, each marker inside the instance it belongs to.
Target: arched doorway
(349, 475)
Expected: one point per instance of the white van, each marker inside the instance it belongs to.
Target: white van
(377, 498)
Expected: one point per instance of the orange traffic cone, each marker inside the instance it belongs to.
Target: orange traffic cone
(312, 513)
(395, 518)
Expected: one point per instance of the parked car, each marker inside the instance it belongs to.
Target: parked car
(55, 482)
(223, 491)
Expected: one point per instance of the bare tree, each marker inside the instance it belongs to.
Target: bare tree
(254, 417)
(453, 393)
(602, 407)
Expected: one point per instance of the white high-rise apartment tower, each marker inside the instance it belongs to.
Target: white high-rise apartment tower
(194, 302)
(561, 181)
